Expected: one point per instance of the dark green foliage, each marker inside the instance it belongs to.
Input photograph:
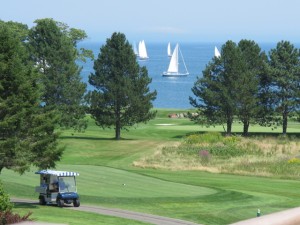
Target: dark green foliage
(26, 133)
(18, 29)
(234, 85)
(122, 97)
(285, 77)
(218, 89)
(53, 49)
(249, 108)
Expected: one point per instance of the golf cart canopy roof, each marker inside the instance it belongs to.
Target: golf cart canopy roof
(57, 173)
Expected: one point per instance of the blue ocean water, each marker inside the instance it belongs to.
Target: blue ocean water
(172, 92)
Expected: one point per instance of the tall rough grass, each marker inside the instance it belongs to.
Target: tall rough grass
(268, 156)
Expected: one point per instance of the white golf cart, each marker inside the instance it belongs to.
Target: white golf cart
(57, 187)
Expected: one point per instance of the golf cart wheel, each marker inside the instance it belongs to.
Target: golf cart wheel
(76, 202)
(60, 203)
(42, 200)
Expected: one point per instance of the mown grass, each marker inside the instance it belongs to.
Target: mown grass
(190, 195)
(57, 215)
(176, 191)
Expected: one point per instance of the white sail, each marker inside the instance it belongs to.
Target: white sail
(135, 49)
(173, 69)
(217, 53)
(173, 66)
(169, 50)
(142, 50)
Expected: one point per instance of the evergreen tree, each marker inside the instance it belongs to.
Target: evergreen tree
(18, 29)
(121, 97)
(249, 108)
(26, 134)
(230, 87)
(218, 89)
(53, 48)
(285, 74)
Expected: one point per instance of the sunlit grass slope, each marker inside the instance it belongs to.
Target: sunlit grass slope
(108, 177)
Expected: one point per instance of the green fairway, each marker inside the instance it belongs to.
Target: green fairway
(108, 178)
(55, 215)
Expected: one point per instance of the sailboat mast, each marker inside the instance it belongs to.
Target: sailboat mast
(187, 72)
(173, 70)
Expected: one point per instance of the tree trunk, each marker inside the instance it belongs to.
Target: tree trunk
(246, 128)
(118, 130)
(118, 121)
(229, 126)
(284, 122)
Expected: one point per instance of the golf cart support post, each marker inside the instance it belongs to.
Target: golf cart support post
(57, 187)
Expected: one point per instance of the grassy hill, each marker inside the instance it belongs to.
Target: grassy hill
(109, 178)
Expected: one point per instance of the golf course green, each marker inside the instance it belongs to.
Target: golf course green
(108, 177)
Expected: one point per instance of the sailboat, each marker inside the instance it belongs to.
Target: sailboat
(135, 49)
(217, 53)
(173, 70)
(169, 50)
(142, 51)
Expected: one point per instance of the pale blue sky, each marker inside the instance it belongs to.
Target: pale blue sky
(167, 20)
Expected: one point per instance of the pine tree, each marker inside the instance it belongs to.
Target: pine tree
(216, 92)
(249, 109)
(121, 97)
(23, 141)
(285, 75)
(53, 49)
(233, 85)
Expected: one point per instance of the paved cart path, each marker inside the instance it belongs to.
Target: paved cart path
(144, 217)
(286, 217)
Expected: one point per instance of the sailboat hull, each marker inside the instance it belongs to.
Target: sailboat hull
(168, 74)
(143, 58)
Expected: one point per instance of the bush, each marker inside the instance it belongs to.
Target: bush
(8, 217)
(5, 204)
(210, 137)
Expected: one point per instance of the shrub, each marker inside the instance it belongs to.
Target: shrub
(5, 204)
(209, 137)
(8, 217)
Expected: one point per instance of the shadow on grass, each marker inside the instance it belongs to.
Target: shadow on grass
(20, 205)
(219, 196)
(252, 134)
(34, 205)
(94, 138)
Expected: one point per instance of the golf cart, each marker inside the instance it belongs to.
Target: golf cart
(57, 187)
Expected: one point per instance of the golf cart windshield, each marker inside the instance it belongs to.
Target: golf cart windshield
(67, 184)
